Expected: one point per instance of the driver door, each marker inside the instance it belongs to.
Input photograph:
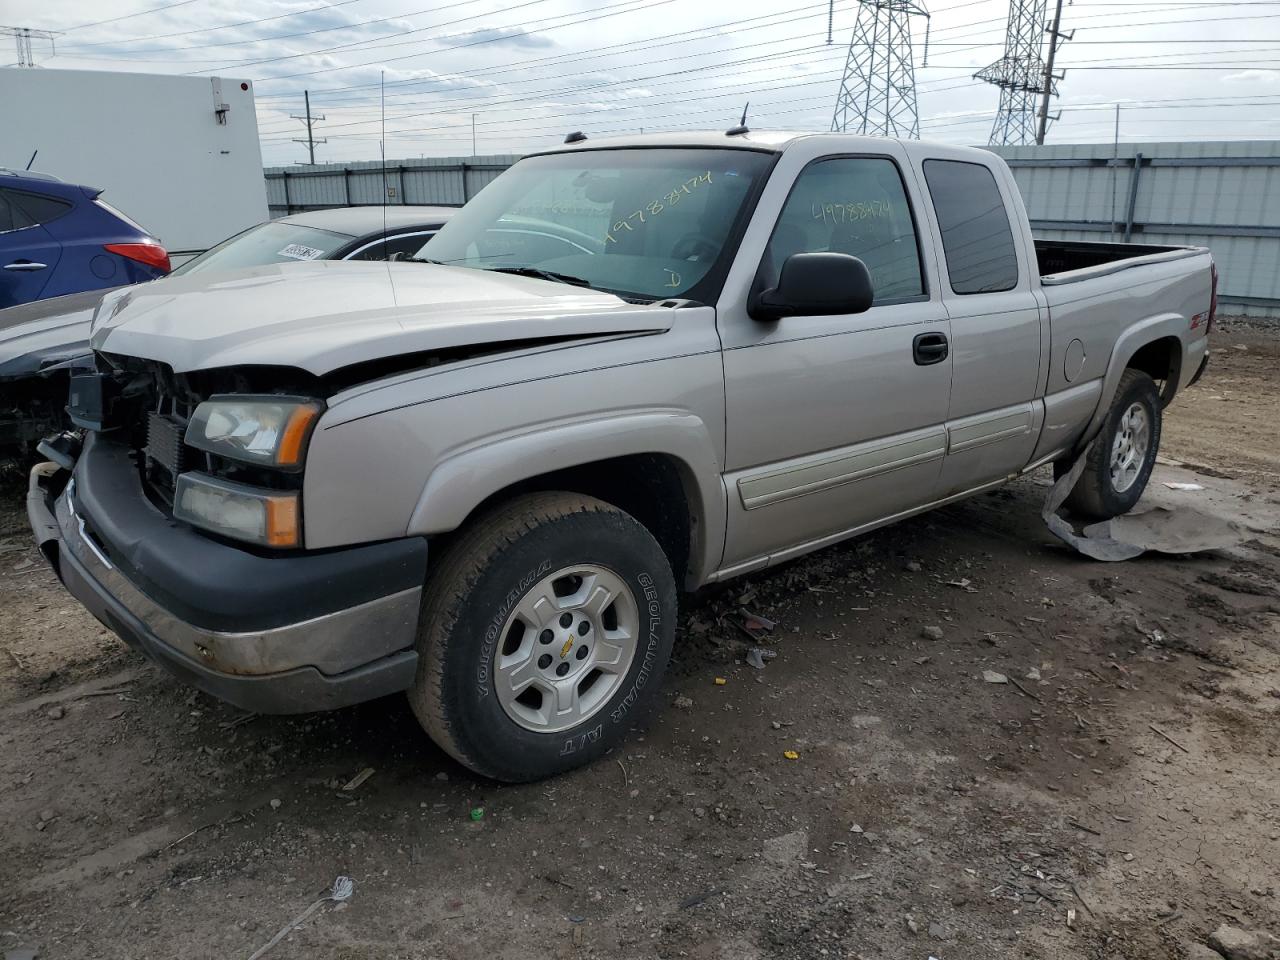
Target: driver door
(836, 422)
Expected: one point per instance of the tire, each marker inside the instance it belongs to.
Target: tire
(481, 612)
(1100, 494)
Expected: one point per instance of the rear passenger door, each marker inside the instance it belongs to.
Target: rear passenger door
(993, 421)
(28, 254)
(833, 422)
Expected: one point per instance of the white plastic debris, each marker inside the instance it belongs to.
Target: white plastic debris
(342, 890)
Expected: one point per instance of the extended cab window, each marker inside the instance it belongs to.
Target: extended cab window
(976, 237)
(853, 205)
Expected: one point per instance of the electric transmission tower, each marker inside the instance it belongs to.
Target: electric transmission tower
(1026, 80)
(878, 90)
(23, 36)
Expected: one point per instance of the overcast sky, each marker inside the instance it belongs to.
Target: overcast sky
(528, 71)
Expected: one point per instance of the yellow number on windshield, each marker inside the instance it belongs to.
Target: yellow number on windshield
(656, 207)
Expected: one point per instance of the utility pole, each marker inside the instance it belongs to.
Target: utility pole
(310, 140)
(473, 135)
(1049, 78)
(22, 37)
(878, 89)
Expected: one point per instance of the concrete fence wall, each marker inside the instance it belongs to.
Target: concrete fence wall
(1222, 195)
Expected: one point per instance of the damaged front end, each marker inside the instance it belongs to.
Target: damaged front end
(271, 629)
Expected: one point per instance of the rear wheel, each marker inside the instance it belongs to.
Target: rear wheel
(1123, 454)
(545, 630)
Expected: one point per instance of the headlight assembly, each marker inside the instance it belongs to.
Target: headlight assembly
(267, 431)
(269, 518)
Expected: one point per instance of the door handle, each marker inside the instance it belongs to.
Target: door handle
(929, 348)
(24, 266)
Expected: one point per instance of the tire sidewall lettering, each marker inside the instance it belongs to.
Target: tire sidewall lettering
(484, 669)
(653, 608)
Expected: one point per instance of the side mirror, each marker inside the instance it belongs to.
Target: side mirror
(816, 285)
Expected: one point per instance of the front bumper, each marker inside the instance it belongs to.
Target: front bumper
(305, 632)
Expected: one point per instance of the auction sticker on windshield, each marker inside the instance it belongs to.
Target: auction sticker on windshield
(299, 251)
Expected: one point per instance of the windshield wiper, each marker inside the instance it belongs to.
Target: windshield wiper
(542, 275)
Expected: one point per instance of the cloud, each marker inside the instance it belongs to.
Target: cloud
(505, 36)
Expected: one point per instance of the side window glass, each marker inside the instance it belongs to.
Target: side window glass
(853, 205)
(6, 214)
(39, 208)
(976, 237)
(395, 248)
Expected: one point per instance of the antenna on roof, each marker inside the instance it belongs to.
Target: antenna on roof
(32, 160)
(576, 137)
(741, 128)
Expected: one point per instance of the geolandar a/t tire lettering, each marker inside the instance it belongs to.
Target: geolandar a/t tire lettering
(546, 626)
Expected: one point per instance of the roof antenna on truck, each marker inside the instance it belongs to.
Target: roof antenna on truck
(32, 160)
(741, 128)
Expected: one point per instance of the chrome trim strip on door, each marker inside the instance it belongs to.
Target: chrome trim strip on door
(833, 468)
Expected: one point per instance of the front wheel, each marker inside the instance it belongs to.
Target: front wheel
(546, 628)
(1123, 454)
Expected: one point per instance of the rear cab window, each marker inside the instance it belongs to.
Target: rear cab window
(977, 239)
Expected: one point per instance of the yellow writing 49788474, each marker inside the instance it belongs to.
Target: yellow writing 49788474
(848, 212)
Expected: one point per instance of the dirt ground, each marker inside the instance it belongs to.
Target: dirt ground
(1119, 797)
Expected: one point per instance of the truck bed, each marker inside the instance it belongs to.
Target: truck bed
(1069, 261)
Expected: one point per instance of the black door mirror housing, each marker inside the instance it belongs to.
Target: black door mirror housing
(816, 285)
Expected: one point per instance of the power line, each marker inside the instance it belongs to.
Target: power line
(225, 26)
(595, 52)
(355, 44)
(486, 102)
(288, 36)
(129, 16)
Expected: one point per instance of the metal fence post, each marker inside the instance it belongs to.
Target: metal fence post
(1133, 196)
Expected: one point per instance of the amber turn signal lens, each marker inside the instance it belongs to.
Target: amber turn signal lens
(293, 441)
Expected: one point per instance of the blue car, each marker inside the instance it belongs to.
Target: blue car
(58, 238)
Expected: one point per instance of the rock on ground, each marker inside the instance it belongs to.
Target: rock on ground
(1236, 944)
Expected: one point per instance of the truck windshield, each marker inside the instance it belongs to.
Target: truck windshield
(642, 223)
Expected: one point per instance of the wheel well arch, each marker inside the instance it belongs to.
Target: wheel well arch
(1160, 359)
(656, 488)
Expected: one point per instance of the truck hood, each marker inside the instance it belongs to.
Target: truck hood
(324, 315)
(35, 335)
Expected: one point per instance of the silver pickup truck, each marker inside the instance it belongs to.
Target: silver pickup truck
(625, 368)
